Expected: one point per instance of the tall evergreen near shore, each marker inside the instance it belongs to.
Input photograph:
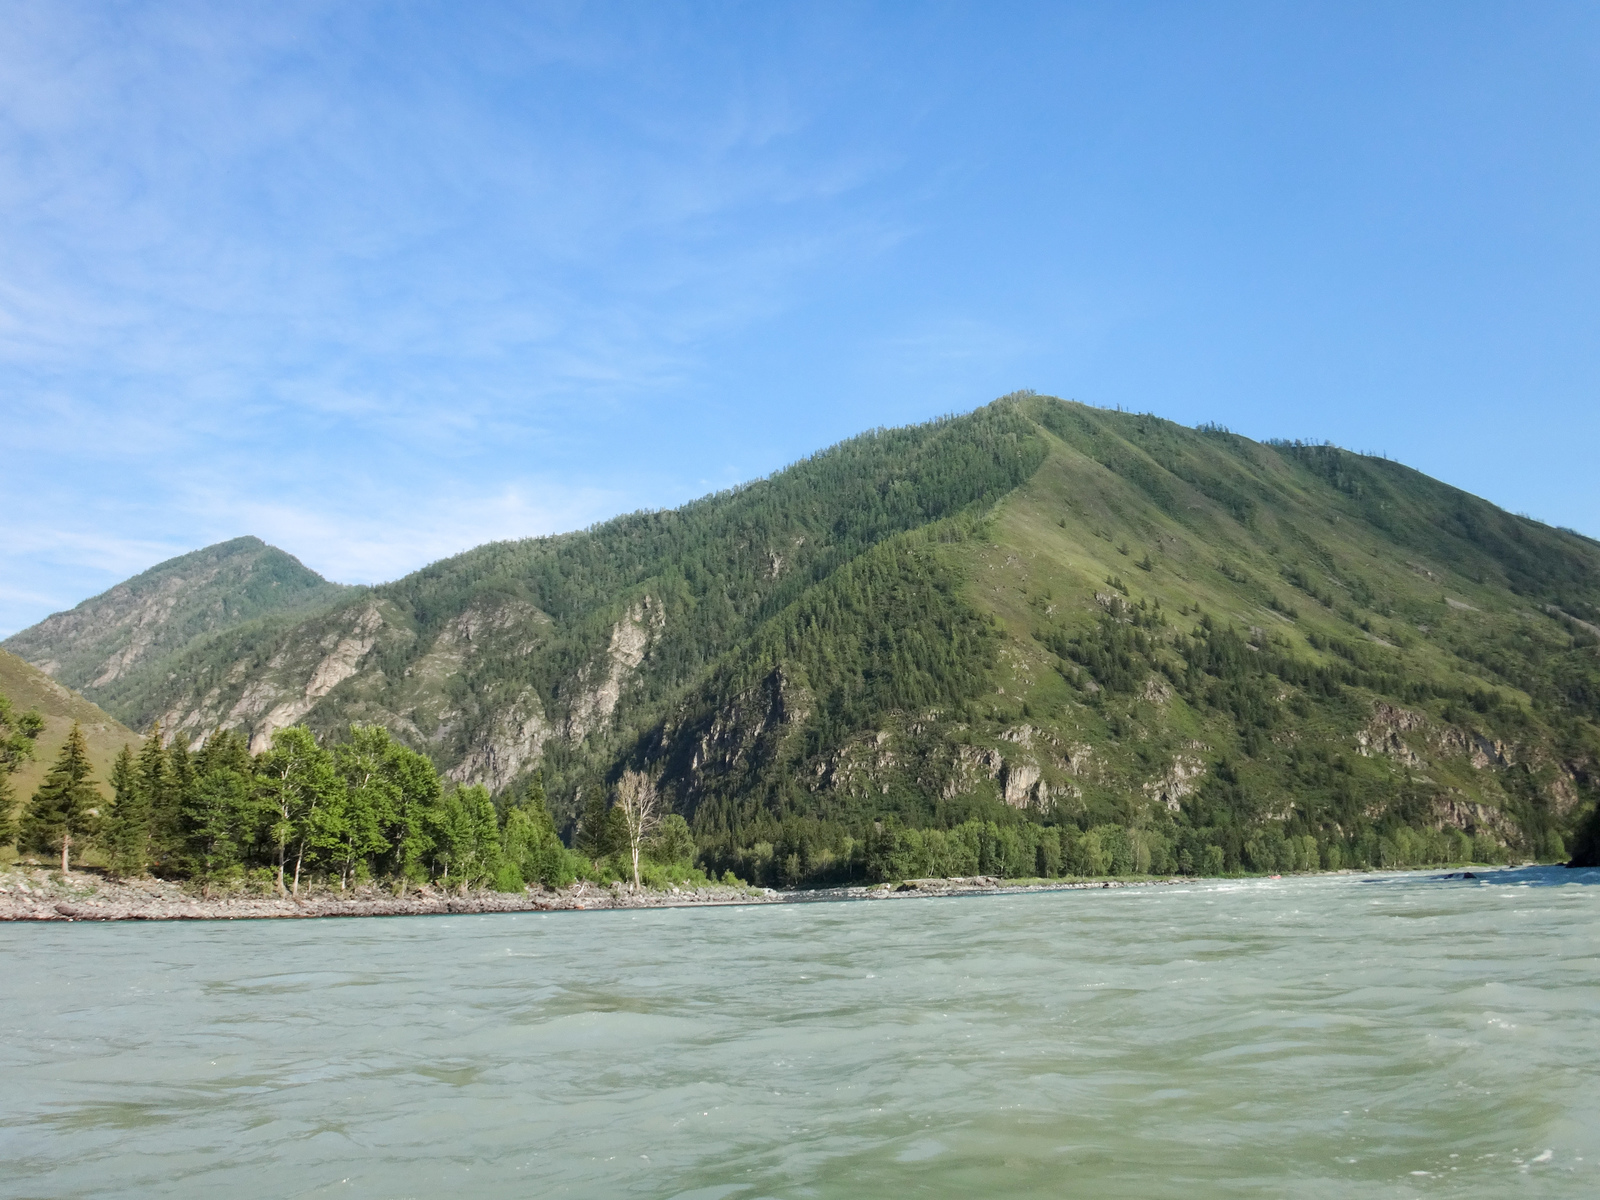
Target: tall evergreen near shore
(125, 834)
(63, 812)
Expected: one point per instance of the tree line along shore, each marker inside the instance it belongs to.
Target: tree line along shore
(363, 819)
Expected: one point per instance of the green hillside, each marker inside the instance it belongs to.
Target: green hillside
(29, 688)
(1037, 636)
(114, 644)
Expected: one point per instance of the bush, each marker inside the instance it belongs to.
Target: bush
(508, 879)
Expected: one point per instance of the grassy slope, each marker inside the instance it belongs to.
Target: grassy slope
(1055, 542)
(28, 687)
(1425, 599)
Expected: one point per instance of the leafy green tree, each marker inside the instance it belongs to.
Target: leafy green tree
(395, 792)
(480, 860)
(466, 837)
(297, 783)
(125, 834)
(65, 808)
(530, 845)
(370, 804)
(673, 843)
(18, 733)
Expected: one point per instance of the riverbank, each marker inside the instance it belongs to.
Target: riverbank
(37, 894)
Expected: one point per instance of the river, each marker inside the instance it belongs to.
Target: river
(1330, 1036)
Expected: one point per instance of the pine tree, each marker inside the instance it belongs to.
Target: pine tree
(217, 816)
(167, 804)
(597, 831)
(63, 810)
(153, 779)
(126, 834)
(8, 803)
(530, 844)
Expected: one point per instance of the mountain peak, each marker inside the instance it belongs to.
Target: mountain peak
(142, 621)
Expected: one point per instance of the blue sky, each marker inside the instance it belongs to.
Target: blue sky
(382, 282)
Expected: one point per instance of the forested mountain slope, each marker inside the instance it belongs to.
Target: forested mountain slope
(114, 645)
(1219, 653)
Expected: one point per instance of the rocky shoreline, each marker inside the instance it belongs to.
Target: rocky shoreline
(35, 894)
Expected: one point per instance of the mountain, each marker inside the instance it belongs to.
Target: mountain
(117, 644)
(28, 687)
(1220, 652)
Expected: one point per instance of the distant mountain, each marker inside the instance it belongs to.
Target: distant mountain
(28, 687)
(117, 644)
(1274, 654)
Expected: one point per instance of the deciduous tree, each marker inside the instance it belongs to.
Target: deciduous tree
(297, 782)
(641, 809)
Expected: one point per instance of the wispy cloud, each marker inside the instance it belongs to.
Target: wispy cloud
(252, 261)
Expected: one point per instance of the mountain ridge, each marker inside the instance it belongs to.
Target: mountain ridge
(1037, 611)
(110, 641)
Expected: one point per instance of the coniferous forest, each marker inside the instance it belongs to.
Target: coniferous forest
(1039, 639)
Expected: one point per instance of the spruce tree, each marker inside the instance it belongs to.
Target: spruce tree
(126, 835)
(152, 777)
(62, 811)
(217, 817)
(597, 833)
(167, 804)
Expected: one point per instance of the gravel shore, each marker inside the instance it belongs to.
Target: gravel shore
(37, 894)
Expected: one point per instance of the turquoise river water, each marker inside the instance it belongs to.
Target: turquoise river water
(1322, 1037)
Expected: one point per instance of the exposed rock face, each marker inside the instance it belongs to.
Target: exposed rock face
(140, 622)
(972, 763)
(1385, 734)
(1021, 785)
(297, 676)
(1454, 812)
(1180, 780)
(740, 733)
(341, 662)
(600, 684)
(1019, 777)
(1480, 751)
(1591, 629)
(513, 743)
